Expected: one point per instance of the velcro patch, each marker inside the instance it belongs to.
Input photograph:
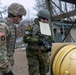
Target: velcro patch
(2, 33)
(2, 38)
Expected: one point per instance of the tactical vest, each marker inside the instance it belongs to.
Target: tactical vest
(35, 46)
(45, 38)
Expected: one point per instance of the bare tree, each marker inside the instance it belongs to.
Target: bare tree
(3, 11)
(40, 4)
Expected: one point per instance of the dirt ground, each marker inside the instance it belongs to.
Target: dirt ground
(20, 65)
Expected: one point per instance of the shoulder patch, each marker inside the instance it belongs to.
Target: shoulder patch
(2, 33)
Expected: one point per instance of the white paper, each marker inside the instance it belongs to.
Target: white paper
(45, 28)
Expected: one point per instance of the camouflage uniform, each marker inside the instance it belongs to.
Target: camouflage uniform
(11, 42)
(14, 10)
(4, 34)
(8, 37)
(36, 55)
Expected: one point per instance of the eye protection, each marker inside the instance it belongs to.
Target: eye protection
(20, 16)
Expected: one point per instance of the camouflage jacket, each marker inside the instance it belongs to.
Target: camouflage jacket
(7, 42)
(31, 37)
(4, 34)
(12, 38)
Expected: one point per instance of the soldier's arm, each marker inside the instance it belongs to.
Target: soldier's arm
(4, 33)
(3, 46)
(28, 38)
(6, 29)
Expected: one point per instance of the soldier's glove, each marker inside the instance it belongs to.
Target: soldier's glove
(9, 73)
(40, 43)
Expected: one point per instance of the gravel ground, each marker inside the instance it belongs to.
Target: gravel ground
(20, 65)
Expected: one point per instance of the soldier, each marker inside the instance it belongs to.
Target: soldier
(8, 37)
(36, 52)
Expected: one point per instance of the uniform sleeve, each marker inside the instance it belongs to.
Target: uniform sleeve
(3, 46)
(28, 38)
(4, 33)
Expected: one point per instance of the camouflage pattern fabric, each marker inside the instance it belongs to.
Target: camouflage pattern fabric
(36, 55)
(11, 43)
(4, 33)
(1, 73)
(16, 9)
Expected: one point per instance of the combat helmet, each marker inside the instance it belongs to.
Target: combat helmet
(44, 13)
(16, 9)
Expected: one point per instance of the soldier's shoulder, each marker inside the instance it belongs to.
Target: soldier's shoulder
(4, 24)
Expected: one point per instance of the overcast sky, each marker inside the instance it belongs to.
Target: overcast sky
(28, 4)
